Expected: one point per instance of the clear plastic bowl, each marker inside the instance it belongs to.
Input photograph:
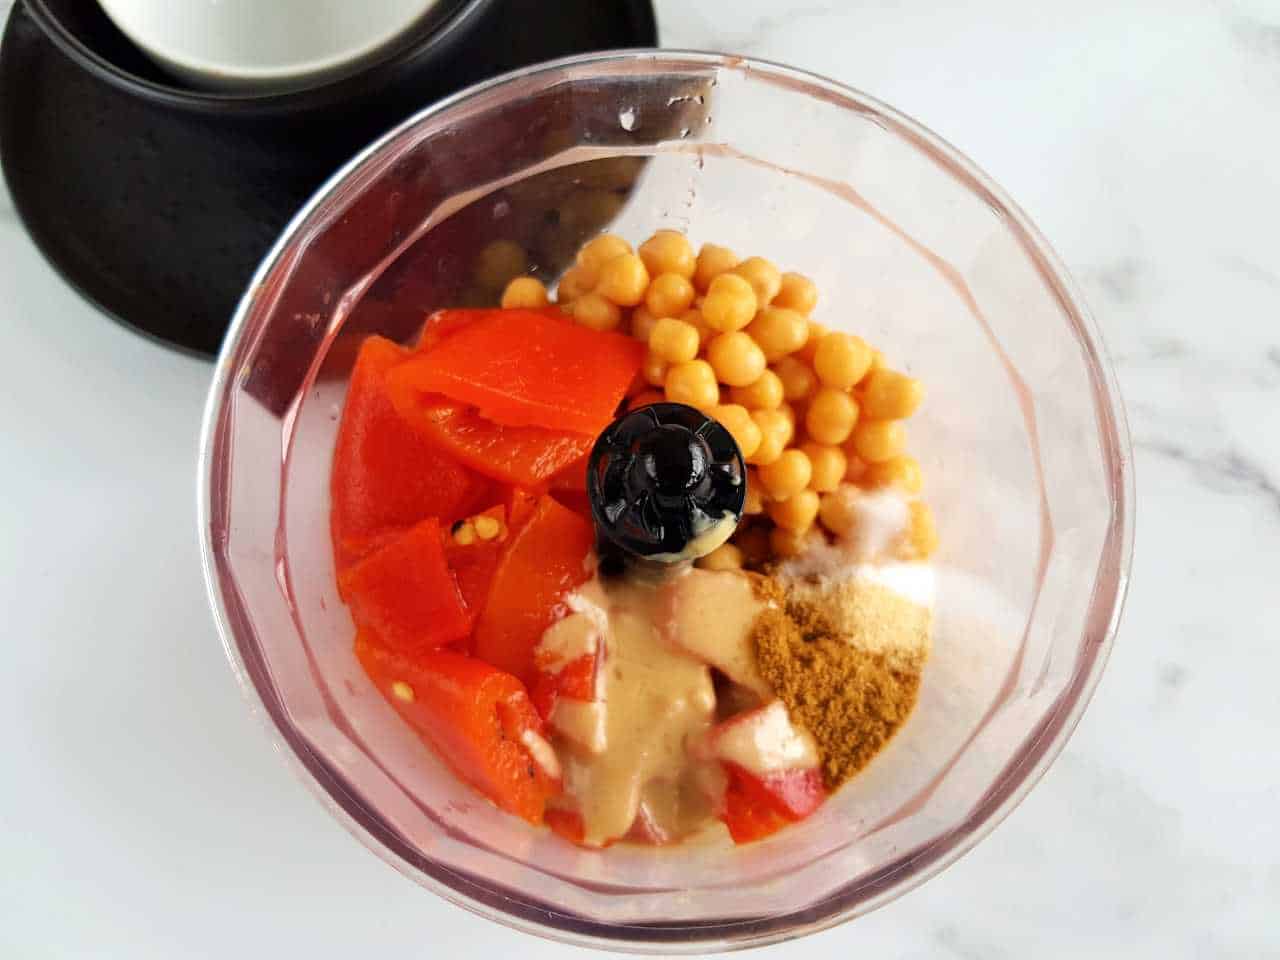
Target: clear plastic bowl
(1022, 442)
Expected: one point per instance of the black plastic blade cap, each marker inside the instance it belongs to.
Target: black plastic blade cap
(660, 477)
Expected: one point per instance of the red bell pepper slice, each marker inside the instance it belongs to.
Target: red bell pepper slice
(573, 478)
(405, 594)
(521, 456)
(747, 816)
(543, 561)
(442, 324)
(577, 681)
(520, 504)
(758, 806)
(579, 503)
(474, 564)
(475, 716)
(525, 368)
(386, 475)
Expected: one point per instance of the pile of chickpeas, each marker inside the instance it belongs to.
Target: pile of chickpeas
(817, 414)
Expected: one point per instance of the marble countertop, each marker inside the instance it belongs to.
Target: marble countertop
(1143, 142)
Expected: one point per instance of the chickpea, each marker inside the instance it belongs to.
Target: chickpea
(573, 285)
(922, 532)
(745, 431)
(724, 557)
(693, 383)
(694, 317)
(796, 513)
(674, 340)
(623, 280)
(831, 416)
(736, 358)
(798, 381)
(878, 440)
(754, 503)
(642, 323)
(779, 331)
(497, 263)
(829, 464)
(654, 370)
(841, 360)
(789, 412)
(856, 469)
(902, 472)
(816, 332)
(796, 292)
(753, 542)
(712, 261)
(669, 251)
(763, 276)
(595, 312)
(526, 292)
(595, 253)
(730, 303)
(669, 295)
(775, 433)
(787, 475)
(763, 393)
(838, 510)
(889, 395)
(786, 543)
(643, 399)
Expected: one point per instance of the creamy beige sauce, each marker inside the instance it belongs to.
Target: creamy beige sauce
(581, 722)
(635, 759)
(711, 615)
(765, 741)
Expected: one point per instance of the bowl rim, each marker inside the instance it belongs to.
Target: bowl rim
(321, 92)
(1040, 747)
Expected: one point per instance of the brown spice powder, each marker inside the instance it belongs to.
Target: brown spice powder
(851, 700)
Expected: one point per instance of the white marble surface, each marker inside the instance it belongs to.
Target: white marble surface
(143, 814)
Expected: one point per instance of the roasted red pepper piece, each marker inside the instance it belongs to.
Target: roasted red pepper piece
(474, 563)
(520, 504)
(522, 456)
(758, 806)
(405, 594)
(386, 475)
(576, 501)
(443, 324)
(473, 566)
(526, 368)
(573, 478)
(747, 815)
(577, 681)
(475, 716)
(543, 561)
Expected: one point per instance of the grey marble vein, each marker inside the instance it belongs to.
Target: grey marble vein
(1252, 270)
(1256, 36)
(1228, 472)
(1118, 280)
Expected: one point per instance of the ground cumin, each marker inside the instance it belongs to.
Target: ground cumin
(851, 700)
